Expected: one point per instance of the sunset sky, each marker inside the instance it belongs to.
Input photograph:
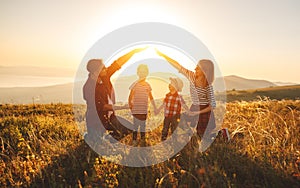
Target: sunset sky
(253, 39)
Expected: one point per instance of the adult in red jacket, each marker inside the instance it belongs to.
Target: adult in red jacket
(99, 94)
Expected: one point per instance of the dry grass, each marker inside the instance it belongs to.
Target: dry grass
(41, 146)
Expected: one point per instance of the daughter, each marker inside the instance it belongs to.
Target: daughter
(201, 91)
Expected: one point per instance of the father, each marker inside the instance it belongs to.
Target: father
(99, 94)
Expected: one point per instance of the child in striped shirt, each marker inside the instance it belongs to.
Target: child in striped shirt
(140, 93)
(172, 107)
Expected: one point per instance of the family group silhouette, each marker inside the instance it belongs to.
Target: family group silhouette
(99, 94)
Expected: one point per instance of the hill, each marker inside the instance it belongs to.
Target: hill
(278, 92)
(28, 95)
(237, 87)
(239, 83)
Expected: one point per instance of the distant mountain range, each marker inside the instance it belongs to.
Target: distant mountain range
(28, 95)
(159, 82)
(238, 83)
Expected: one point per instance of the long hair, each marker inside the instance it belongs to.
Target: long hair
(207, 68)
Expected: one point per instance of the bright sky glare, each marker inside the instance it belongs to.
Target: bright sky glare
(253, 39)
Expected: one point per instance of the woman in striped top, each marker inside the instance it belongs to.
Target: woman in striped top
(201, 91)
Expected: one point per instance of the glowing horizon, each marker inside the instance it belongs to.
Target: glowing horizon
(256, 40)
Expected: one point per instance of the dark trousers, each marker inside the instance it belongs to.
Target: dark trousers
(203, 121)
(139, 121)
(170, 123)
(119, 127)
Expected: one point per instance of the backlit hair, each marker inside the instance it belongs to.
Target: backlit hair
(143, 67)
(207, 68)
(94, 65)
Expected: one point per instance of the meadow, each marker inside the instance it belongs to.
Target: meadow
(277, 92)
(41, 146)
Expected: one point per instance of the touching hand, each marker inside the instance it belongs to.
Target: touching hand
(159, 52)
(190, 113)
(139, 49)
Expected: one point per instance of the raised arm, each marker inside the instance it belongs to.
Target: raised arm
(174, 63)
(117, 64)
(187, 73)
(123, 59)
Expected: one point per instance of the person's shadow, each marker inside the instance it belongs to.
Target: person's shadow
(70, 169)
(220, 166)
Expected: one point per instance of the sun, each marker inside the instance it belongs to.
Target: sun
(150, 54)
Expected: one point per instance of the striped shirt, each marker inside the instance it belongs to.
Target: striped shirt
(172, 104)
(200, 95)
(140, 92)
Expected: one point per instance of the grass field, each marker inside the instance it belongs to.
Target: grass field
(41, 146)
(278, 93)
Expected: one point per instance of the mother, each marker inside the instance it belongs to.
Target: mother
(201, 91)
(99, 94)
